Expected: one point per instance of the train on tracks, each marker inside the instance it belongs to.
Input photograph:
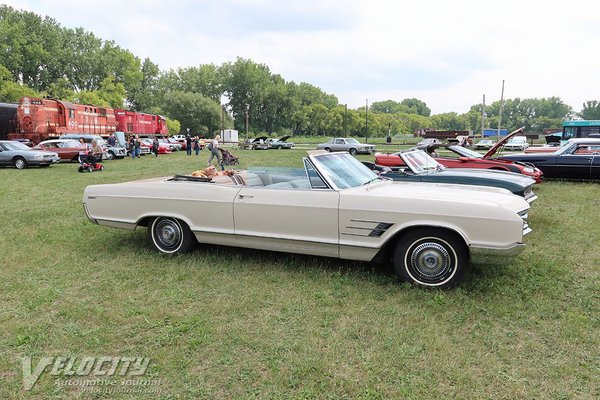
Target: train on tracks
(39, 119)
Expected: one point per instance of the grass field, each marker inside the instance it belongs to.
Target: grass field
(237, 323)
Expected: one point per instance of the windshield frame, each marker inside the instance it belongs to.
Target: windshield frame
(343, 171)
(419, 162)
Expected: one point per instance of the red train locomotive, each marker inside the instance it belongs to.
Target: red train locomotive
(138, 123)
(41, 119)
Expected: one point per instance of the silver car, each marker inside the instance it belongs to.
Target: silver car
(17, 154)
(350, 145)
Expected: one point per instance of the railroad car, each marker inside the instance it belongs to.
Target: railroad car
(140, 123)
(41, 119)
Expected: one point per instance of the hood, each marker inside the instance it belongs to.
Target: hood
(258, 139)
(283, 139)
(463, 196)
(478, 175)
(501, 142)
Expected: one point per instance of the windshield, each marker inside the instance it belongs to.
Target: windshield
(344, 170)
(568, 148)
(420, 162)
(15, 146)
(466, 152)
(352, 141)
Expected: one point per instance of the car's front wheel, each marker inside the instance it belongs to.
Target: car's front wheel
(111, 155)
(20, 163)
(431, 258)
(170, 236)
(352, 151)
(327, 149)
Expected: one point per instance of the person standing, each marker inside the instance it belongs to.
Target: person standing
(213, 147)
(155, 146)
(197, 145)
(112, 141)
(188, 144)
(132, 146)
(138, 145)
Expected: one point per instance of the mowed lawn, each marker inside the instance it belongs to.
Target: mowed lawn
(238, 323)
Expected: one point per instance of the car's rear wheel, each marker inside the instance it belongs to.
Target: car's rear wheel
(170, 236)
(432, 258)
(352, 151)
(20, 163)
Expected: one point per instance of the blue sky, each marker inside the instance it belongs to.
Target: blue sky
(446, 53)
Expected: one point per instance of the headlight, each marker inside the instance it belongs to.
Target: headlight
(38, 157)
(529, 170)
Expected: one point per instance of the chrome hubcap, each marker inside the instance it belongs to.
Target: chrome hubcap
(430, 260)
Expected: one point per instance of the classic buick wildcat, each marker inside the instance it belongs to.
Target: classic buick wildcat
(334, 207)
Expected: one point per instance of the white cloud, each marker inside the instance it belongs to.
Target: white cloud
(447, 54)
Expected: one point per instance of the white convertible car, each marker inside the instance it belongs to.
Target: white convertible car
(334, 207)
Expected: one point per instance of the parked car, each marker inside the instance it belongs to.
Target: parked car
(484, 144)
(280, 143)
(108, 152)
(21, 156)
(518, 143)
(163, 148)
(545, 148)
(350, 145)
(26, 142)
(259, 143)
(334, 207)
(173, 144)
(67, 149)
(461, 157)
(421, 167)
(428, 141)
(576, 159)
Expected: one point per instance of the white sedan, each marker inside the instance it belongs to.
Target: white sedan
(334, 207)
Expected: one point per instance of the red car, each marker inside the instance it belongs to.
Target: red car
(465, 158)
(162, 147)
(67, 149)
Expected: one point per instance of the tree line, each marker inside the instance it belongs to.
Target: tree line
(42, 58)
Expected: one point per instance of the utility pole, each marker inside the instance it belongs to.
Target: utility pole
(345, 120)
(367, 121)
(483, 117)
(501, 104)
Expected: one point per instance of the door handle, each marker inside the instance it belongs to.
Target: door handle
(245, 196)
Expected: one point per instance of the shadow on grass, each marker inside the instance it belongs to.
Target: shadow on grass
(479, 279)
(135, 243)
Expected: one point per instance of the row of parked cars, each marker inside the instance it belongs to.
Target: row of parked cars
(22, 153)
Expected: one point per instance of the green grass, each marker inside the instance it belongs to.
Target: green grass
(237, 323)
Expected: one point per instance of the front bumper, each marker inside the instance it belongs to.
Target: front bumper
(497, 256)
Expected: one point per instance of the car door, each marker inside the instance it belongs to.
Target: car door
(290, 220)
(339, 145)
(4, 156)
(576, 165)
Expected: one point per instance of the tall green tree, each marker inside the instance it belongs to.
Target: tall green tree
(244, 84)
(417, 106)
(590, 110)
(194, 111)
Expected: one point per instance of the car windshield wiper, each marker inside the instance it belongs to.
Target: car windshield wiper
(371, 180)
